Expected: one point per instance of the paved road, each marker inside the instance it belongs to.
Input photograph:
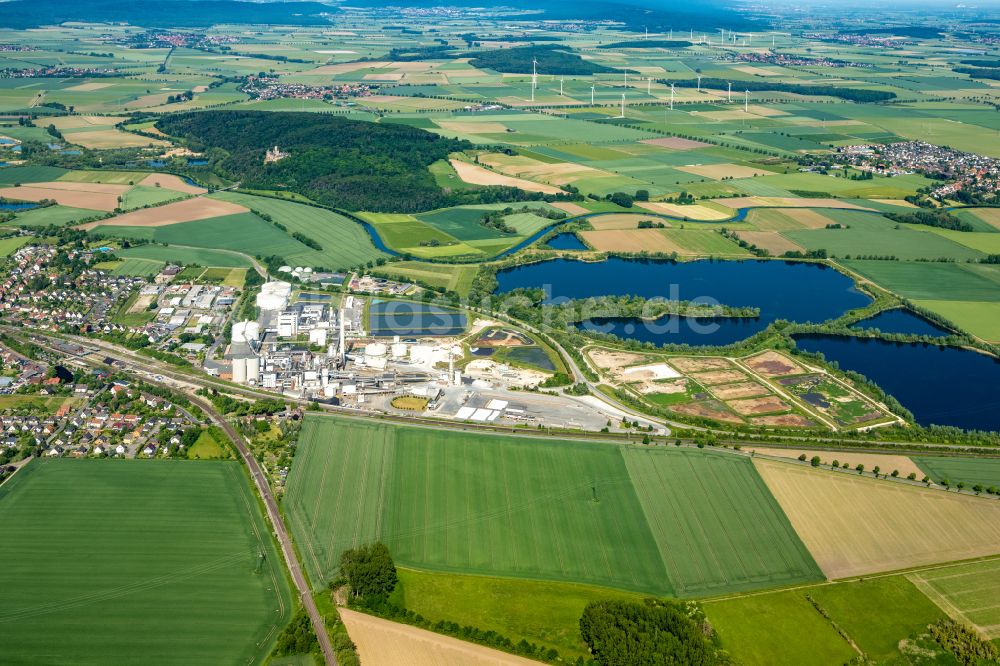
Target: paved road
(274, 515)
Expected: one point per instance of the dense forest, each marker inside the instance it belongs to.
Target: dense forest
(335, 161)
(850, 94)
(648, 44)
(932, 218)
(991, 73)
(625, 633)
(550, 59)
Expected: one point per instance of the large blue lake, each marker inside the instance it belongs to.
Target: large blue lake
(940, 385)
(796, 291)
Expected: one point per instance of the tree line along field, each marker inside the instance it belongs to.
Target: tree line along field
(649, 521)
(135, 559)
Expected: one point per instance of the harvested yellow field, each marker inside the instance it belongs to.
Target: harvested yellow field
(472, 127)
(391, 644)
(676, 143)
(693, 212)
(885, 462)
(725, 170)
(188, 210)
(630, 240)
(620, 221)
(771, 241)
(787, 219)
(990, 216)
(111, 138)
(171, 182)
(477, 175)
(903, 203)
(570, 208)
(94, 196)
(90, 87)
(855, 525)
(70, 123)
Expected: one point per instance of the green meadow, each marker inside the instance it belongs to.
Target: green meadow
(165, 558)
(634, 519)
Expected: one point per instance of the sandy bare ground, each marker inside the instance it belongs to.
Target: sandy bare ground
(570, 208)
(746, 389)
(699, 364)
(757, 406)
(786, 202)
(714, 377)
(772, 364)
(720, 171)
(885, 462)
(171, 182)
(477, 175)
(709, 409)
(772, 241)
(793, 420)
(676, 143)
(606, 359)
(384, 643)
(94, 196)
(855, 525)
(189, 210)
(694, 212)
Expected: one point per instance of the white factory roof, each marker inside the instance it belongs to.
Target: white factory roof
(464, 413)
(497, 404)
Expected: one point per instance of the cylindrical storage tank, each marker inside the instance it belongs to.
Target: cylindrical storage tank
(253, 369)
(398, 350)
(240, 370)
(329, 391)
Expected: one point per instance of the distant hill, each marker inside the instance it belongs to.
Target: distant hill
(350, 164)
(20, 14)
(340, 162)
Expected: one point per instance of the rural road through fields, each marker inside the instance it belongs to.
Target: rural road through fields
(278, 525)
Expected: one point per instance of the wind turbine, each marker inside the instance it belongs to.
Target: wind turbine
(699, 83)
(592, 95)
(647, 33)
(534, 77)
(671, 33)
(649, 85)
(746, 102)
(730, 97)
(623, 106)
(626, 79)
(691, 36)
(561, 85)
(671, 97)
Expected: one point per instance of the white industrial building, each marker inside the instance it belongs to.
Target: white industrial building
(274, 295)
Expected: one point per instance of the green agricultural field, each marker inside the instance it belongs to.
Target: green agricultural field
(29, 174)
(642, 520)
(108, 177)
(971, 470)
(11, 244)
(881, 616)
(344, 241)
(873, 235)
(145, 558)
(703, 241)
(185, 255)
(537, 611)
(53, 215)
(139, 267)
(933, 281)
(452, 277)
(966, 592)
(36, 404)
(142, 195)
(979, 318)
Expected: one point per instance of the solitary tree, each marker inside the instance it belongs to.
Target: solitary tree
(814, 461)
(860, 468)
